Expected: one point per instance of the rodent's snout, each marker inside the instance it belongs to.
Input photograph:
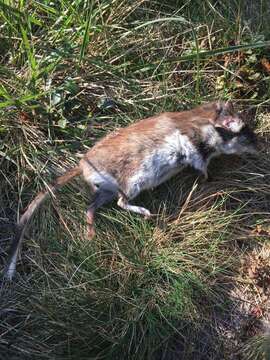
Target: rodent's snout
(248, 140)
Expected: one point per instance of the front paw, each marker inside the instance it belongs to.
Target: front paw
(207, 178)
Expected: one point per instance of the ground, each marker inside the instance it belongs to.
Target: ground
(193, 281)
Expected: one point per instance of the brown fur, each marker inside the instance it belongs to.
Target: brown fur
(126, 148)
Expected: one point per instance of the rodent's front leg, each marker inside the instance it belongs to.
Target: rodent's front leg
(201, 166)
(206, 176)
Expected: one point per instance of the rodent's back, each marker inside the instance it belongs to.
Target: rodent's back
(122, 152)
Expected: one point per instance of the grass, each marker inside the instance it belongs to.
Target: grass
(175, 287)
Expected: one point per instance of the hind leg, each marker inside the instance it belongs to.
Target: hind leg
(101, 197)
(123, 203)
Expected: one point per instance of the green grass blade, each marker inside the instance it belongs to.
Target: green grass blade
(30, 52)
(179, 19)
(222, 51)
(86, 34)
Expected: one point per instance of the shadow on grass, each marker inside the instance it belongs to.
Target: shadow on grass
(140, 290)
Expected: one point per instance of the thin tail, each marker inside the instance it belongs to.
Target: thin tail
(25, 218)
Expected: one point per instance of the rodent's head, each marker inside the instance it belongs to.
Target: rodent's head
(237, 136)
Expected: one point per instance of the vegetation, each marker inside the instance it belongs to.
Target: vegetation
(192, 283)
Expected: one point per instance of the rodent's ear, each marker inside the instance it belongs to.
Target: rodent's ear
(225, 107)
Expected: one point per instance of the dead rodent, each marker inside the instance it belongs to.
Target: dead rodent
(145, 154)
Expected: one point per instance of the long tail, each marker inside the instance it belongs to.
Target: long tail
(25, 218)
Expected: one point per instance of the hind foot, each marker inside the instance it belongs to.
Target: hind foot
(90, 223)
(137, 209)
(90, 232)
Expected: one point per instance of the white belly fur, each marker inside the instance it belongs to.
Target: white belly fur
(166, 161)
